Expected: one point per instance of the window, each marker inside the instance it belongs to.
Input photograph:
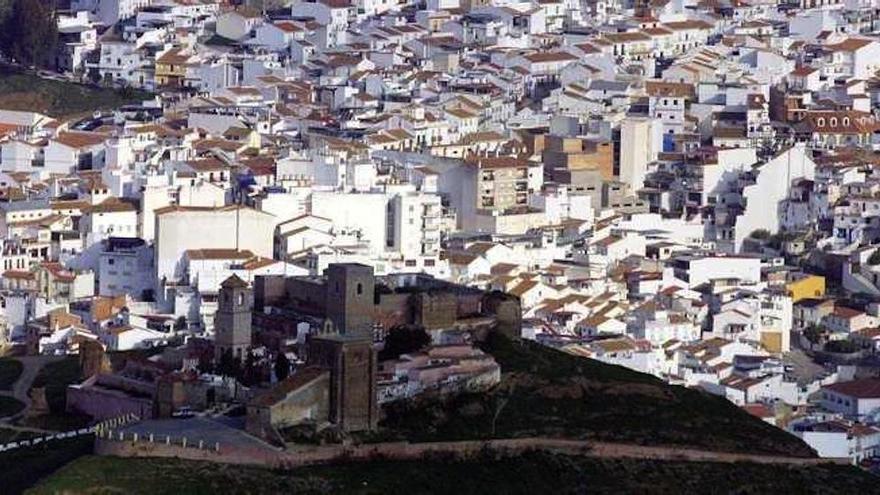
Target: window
(360, 289)
(820, 122)
(833, 121)
(241, 298)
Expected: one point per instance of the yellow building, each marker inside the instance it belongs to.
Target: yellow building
(775, 341)
(171, 68)
(806, 287)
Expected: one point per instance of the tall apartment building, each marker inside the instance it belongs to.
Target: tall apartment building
(638, 147)
(504, 183)
(414, 224)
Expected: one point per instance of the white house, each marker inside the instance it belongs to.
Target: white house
(238, 24)
(856, 399)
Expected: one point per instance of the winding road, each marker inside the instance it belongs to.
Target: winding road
(31, 368)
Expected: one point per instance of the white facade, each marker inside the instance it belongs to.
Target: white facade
(179, 229)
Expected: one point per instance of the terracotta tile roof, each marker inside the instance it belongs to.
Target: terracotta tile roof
(758, 410)
(523, 287)
(288, 27)
(867, 388)
(111, 205)
(257, 262)
(59, 272)
(687, 25)
(174, 56)
(846, 313)
(629, 37)
(80, 139)
(290, 384)
(542, 57)
(18, 275)
(261, 165)
(665, 88)
(849, 45)
(461, 258)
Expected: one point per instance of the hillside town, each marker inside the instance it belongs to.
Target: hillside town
(322, 206)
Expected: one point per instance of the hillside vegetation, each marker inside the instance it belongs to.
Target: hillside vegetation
(533, 473)
(546, 392)
(24, 467)
(10, 370)
(60, 99)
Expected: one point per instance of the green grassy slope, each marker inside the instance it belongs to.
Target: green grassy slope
(533, 473)
(25, 91)
(545, 392)
(10, 370)
(22, 468)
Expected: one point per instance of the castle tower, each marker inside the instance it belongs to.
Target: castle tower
(232, 322)
(352, 363)
(350, 298)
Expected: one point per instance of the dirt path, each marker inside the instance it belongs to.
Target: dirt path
(31, 368)
(330, 454)
(627, 451)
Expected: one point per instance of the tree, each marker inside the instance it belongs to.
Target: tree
(841, 346)
(282, 366)
(874, 259)
(814, 333)
(206, 363)
(760, 234)
(250, 374)
(180, 323)
(29, 32)
(229, 365)
(402, 340)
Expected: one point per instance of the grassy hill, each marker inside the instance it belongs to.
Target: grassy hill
(543, 392)
(533, 473)
(546, 392)
(22, 468)
(10, 370)
(64, 100)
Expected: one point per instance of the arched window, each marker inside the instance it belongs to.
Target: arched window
(846, 121)
(833, 121)
(241, 298)
(360, 288)
(820, 122)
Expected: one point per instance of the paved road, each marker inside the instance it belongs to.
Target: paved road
(31, 368)
(210, 431)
